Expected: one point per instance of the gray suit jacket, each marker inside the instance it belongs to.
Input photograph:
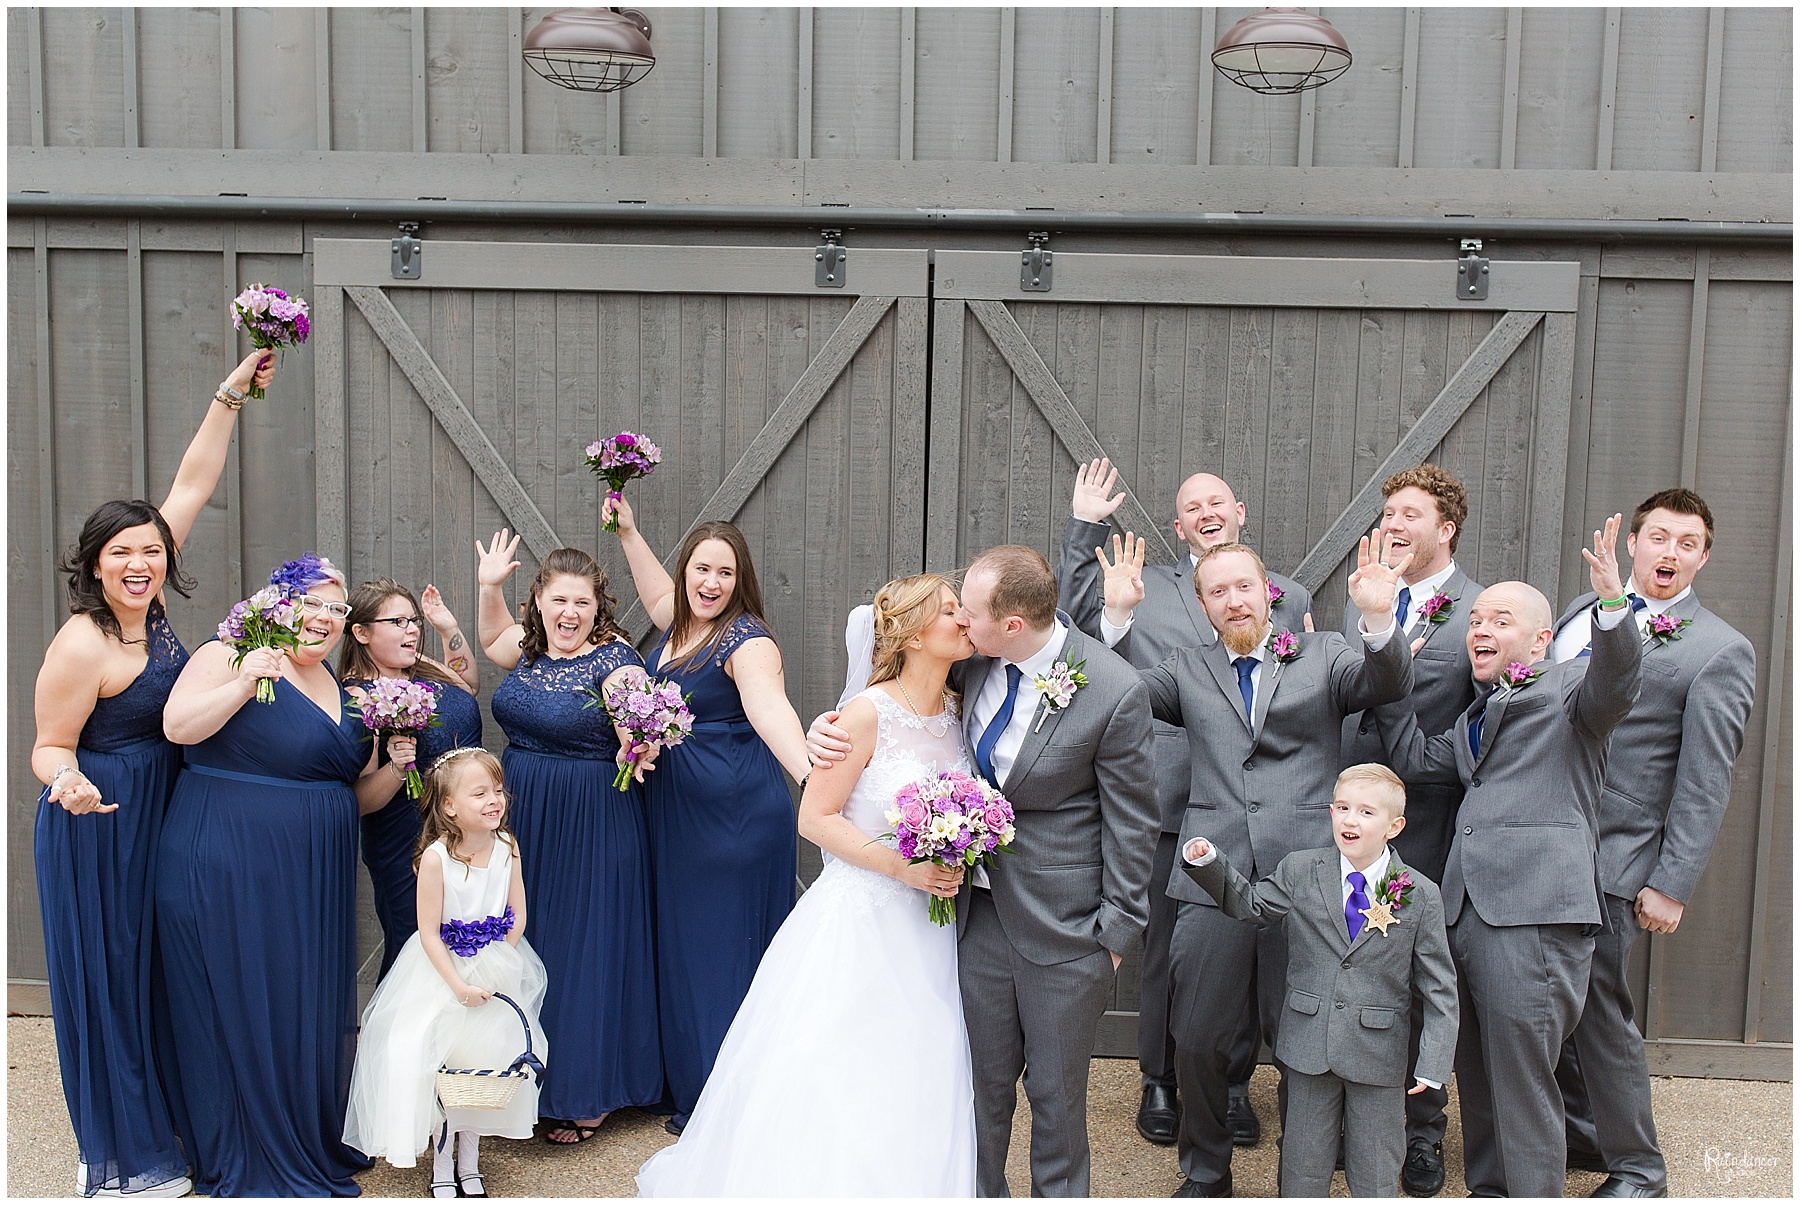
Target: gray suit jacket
(1084, 811)
(1169, 619)
(1348, 1001)
(1442, 690)
(1262, 791)
(1524, 852)
(1668, 776)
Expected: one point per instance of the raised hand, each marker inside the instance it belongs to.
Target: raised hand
(1122, 578)
(494, 564)
(1603, 562)
(1093, 482)
(618, 506)
(257, 368)
(1375, 582)
(431, 606)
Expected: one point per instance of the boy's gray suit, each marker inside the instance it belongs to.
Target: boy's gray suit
(1033, 956)
(1522, 895)
(1345, 1017)
(1169, 619)
(1668, 779)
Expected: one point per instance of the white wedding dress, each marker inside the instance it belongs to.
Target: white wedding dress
(846, 1070)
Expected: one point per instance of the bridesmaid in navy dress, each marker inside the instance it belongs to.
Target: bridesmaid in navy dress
(587, 887)
(384, 629)
(256, 901)
(722, 829)
(108, 773)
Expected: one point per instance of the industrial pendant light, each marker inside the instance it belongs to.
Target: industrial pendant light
(1282, 50)
(591, 49)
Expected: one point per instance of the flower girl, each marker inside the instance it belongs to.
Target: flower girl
(435, 1006)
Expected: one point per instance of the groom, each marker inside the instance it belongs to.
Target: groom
(1043, 932)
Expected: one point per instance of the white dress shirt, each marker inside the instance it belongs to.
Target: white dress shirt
(1422, 592)
(993, 694)
(1580, 630)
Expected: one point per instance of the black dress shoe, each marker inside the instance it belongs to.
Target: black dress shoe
(1585, 1161)
(674, 1126)
(1159, 1114)
(1200, 1188)
(1242, 1121)
(1619, 1186)
(1422, 1175)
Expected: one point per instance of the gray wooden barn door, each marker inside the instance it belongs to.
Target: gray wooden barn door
(461, 402)
(1303, 383)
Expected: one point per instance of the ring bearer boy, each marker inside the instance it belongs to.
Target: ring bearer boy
(1363, 934)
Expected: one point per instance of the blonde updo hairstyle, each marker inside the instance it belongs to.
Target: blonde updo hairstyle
(903, 608)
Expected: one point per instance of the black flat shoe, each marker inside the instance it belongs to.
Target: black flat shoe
(1618, 1186)
(1422, 1175)
(1159, 1114)
(674, 1127)
(1241, 1120)
(1197, 1188)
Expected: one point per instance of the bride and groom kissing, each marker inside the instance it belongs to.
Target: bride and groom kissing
(878, 1054)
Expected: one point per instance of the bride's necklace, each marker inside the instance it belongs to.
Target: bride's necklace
(926, 720)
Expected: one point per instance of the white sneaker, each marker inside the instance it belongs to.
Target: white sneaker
(180, 1186)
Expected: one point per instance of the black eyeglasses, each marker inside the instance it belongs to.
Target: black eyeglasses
(401, 622)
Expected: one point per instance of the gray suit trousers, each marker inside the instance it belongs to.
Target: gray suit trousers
(1521, 989)
(1610, 1054)
(1041, 1021)
(1217, 968)
(1373, 1122)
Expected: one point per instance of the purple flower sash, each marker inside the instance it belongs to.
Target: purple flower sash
(466, 937)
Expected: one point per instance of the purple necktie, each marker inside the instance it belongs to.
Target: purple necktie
(1356, 903)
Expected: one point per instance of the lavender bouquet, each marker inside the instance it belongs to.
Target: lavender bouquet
(652, 713)
(395, 706)
(953, 819)
(271, 318)
(268, 619)
(622, 458)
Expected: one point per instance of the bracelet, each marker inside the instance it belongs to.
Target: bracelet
(61, 770)
(226, 389)
(226, 402)
(1612, 602)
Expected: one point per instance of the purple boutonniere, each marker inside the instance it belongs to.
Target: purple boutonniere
(1275, 596)
(1396, 888)
(1517, 676)
(1436, 609)
(1285, 645)
(1664, 628)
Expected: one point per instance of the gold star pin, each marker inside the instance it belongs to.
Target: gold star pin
(1380, 916)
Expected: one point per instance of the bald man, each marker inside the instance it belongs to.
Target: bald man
(1521, 888)
(1207, 515)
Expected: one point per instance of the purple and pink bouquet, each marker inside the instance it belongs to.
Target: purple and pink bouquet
(271, 318)
(396, 706)
(953, 819)
(268, 619)
(652, 713)
(622, 458)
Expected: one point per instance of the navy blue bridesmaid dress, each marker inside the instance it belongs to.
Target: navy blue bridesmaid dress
(256, 900)
(722, 836)
(391, 835)
(95, 879)
(587, 886)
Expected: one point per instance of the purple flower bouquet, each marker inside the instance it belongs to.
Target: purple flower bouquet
(652, 713)
(268, 619)
(953, 819)
(392, 706)
(271, 318)
(622, 458)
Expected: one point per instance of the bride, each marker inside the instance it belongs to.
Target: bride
(846, 1070)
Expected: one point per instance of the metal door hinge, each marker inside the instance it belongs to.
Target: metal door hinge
(405, 253)
(830, 261)
(1472, 272)
(1035, 265)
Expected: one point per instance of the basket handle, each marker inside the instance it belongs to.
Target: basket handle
(528, 1059)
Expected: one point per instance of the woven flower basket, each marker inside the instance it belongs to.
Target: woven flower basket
(489, 1087)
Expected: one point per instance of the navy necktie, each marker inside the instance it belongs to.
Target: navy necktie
(1475, 722)
(990, 736)
(1245, 667)
(1356, 903)
(1403, 608)
(1637, 604)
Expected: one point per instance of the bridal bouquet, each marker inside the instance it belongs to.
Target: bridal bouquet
(953, 819)
(271, 318)
(652, 713)
(268, 619)
(622, 458)
(393, 706)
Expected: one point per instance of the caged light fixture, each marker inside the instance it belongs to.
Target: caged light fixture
(591, 49)
(1280, 51)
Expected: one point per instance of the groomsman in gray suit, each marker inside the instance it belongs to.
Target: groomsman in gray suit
(1207, 514)
(1668, 779)
(1423, 514)
(1262, 707)
(1521, 886)
(1043, 932)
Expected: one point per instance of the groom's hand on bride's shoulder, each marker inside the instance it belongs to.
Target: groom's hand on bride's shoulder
(825, 741)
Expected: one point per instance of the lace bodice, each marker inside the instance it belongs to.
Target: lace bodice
(907, 748)
(542, 705)
(135, 713)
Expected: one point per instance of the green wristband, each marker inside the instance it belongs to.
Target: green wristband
(1613, 602)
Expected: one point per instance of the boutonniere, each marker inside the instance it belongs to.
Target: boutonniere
(1664, 628)
(1436, 609)
(1057, 688)
(1276, 596)
(1392, 894)
(1285, 646)
(1518, 676)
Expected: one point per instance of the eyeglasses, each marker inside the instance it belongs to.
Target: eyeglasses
(311, 605)
(400, 622)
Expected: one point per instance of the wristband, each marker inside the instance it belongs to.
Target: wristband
(61, 770)
(1612, 602)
